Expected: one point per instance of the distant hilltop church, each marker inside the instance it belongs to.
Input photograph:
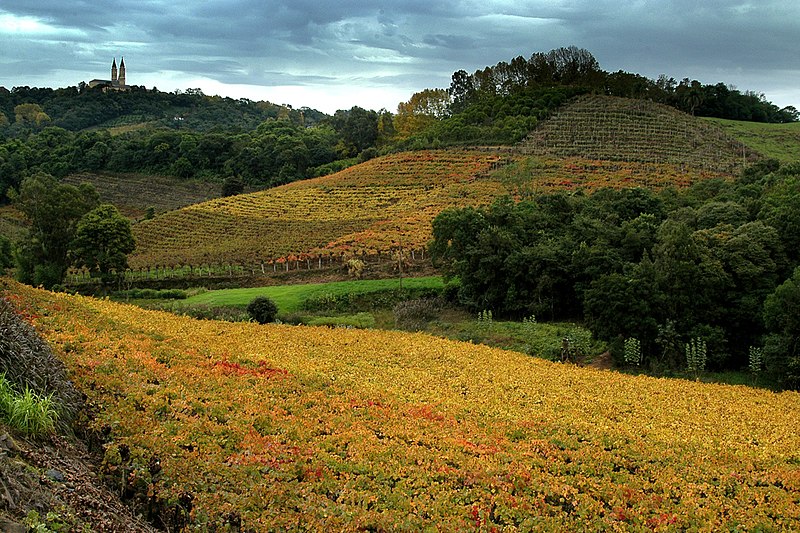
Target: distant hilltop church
(117, 82)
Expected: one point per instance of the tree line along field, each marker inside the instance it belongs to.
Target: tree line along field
(213, 424)
(377, 207)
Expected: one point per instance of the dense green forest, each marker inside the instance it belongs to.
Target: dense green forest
(717, 262)
(192, 135)
(574, 67)
(80, 108)
(254, 142)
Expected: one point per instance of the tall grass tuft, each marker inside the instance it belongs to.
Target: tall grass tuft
(27, 412)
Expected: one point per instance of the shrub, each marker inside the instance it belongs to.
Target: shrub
(360, 320)
(262, 309)
(213, 312)
(366, 301)
(414, 315)
(633, 351)
(696, 355)
(755, 359)
(151, 294)
(355, 268)
(232, 186)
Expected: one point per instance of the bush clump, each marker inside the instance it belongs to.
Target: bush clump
(414, 315)
(152, 294)
(358, 321)
(225, 313)
(262, 309)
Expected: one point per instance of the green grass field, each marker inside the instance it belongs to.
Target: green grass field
(778, 141)
(289, 298)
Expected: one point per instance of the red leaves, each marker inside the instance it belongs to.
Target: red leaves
(425, 412)
(263, 369)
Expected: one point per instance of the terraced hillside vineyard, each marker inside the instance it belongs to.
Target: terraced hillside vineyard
(623, 129)
(372, 208)
(363, 208)
(216, 425)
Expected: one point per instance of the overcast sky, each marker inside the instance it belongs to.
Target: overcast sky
(375, 54)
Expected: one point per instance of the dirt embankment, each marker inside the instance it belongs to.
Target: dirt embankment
(54, 482)
(50, 483)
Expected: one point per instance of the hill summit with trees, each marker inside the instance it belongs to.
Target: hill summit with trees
(189, 135)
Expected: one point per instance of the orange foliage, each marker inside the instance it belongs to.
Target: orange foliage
(354, 429)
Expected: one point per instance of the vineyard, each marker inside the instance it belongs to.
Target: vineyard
(277, 427)
(133, 194)
(622, 129)
(373, 209)
(363, 209)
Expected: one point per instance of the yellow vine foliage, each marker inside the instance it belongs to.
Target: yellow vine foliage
(368, 209)
(331, 429)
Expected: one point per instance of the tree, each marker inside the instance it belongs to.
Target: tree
(358, 129)
(462, 91)
(625, 305)
(53, 210)
(782, 349)
(421, 111)
(6, 257)
(30, 114)
(262, 309)
(232, 186)
(103, 240)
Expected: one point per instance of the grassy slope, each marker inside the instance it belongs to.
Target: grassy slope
(777, 141)
(343, 430)
(289, 298)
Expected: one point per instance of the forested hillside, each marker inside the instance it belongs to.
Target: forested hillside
(717, 262)
(80, 108)
(191, 135)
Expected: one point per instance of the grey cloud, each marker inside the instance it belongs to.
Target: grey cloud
(408, 43)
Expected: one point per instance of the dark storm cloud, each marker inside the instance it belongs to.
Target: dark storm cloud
(404, 45)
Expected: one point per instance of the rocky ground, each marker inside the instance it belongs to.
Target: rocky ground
(49, 483)
(53, 485)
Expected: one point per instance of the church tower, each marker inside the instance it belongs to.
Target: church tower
(114, 72)
(122, 72)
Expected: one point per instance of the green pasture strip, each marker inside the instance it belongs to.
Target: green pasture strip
(777, 141)
(289, 298)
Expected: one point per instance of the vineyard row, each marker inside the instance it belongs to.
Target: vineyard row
(243, 269)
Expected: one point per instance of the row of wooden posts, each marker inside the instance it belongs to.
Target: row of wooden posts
(264, 268)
